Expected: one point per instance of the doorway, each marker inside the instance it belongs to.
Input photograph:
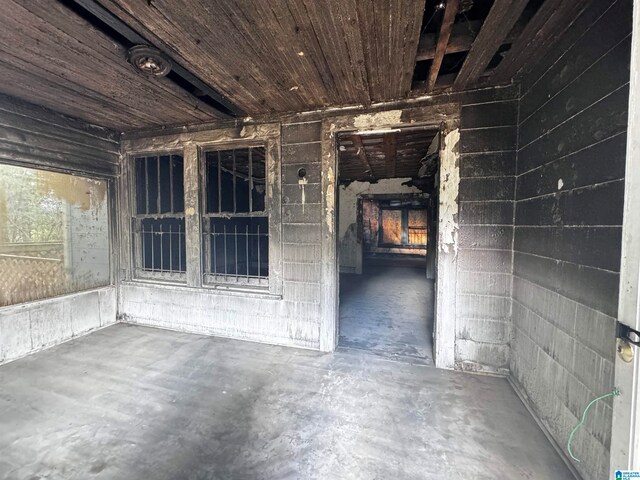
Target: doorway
(387, 200)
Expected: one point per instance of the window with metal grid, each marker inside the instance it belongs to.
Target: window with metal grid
(158, 221)
(235, 222)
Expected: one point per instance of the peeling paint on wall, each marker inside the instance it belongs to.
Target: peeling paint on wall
(391, 117)
(330, 199)
(449, 183)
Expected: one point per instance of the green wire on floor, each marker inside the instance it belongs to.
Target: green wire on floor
(613, 393)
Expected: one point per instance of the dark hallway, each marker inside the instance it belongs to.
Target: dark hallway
(388, 310)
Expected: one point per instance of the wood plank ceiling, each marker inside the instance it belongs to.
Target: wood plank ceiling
(52, 57)
(267, 56)
(385, 155)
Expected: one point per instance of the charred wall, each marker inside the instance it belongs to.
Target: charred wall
(487, 177)
(568, 217)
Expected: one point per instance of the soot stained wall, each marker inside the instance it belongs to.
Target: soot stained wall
(487, 177)
(568, 217)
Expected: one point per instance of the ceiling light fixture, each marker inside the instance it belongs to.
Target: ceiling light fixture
(149, 61)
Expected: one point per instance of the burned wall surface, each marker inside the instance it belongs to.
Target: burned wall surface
(476, 233)
(288, 316)
(487, 178)
(32, 136)
(569, 204)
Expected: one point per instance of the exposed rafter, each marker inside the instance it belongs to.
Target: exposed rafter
(461, 39)
(462, 36)
(501, 19)
(539, 35)
(450, 11)
(362, 153)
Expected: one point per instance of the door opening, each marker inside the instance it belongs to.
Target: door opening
(387, 215)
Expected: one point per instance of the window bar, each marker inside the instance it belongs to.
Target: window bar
(153, 257)
(235, 230)
(250, 183)
(179, 248)
(219, 183)
(225, 251)
(144, 250)
(246, 233)
(158, 175)
(171, 183)
(215, 259)
(258, 237)
(146, 183)
(161, 246)
(170, 249)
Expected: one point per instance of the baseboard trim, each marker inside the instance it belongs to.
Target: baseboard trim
(525, 401)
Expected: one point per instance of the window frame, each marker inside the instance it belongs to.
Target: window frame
(190, 143)
(135, 221)
(404, 228)
(112, 227)
(216, 280)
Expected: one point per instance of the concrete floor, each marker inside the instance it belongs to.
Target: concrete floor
(137, 403)
(388, 311)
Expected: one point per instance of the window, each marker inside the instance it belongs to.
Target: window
(235, 222)
(54, 234)
(159, 225)
(403, 227)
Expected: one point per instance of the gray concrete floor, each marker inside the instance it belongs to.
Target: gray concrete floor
(135, 403)
(388, 310)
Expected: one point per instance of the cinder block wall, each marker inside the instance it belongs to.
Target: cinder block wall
(486, 198)
(292, 319)
(569, 198)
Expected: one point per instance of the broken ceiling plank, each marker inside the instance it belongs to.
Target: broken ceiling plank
(461, 39)
(501, 19)
(410, 39)
(462, 36)
(390, 152)
(450, 12)
(544, 29)
(362, 153)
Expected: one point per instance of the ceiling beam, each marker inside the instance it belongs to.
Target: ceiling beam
(450, 12)
(362, 153)
(390, 152)
(108, 18)
(501, 19)
(461, 39)
(462, 36)
(540, 34)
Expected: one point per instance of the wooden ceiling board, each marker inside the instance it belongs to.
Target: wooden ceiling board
(540, 34)
(390, 155)
(286, 55)
(71, 67)
(501, 19)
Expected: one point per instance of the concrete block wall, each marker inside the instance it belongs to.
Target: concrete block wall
(30, 327)
(488, 131)
(569, 203)
(291, 319)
